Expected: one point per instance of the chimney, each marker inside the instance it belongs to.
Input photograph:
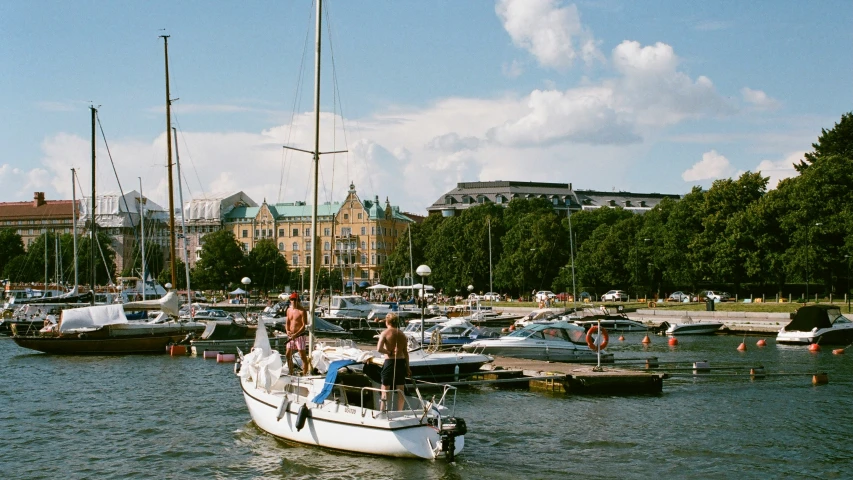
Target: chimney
(38, 199)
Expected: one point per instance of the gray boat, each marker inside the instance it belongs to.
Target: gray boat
(558, 341)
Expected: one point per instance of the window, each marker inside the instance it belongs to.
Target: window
(307, 259)
(373, 230)
(373, 245)
(364, 230)
(245, 247)
(364, 274)
(294, 260)
(325, 259)
(269, 233)
(363, 258)
(295, 232)
(308, 246)
(281, 245)
(346, 231)
(326, 246)
(359, 216)
(257, 233)
(295, 247)
(346, 216)
(280, 232)
(326, 232)
(308, 232)
(373, 259)
(363, 245)
(245, 233)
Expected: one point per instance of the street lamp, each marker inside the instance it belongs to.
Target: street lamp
(848, 282)
(808, 254)
(246, 281)
(424, 271)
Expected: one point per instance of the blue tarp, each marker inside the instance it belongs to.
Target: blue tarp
(331, 376)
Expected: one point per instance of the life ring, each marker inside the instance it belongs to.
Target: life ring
(652, 304)
(590, 339)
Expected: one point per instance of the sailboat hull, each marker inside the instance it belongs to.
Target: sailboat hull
(148, 344)
(342, 427)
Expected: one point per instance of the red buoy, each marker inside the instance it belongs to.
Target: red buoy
(673, 341)
(814, 347)
(741, 347)
(838, 351)
(646, 340)
(761, 343)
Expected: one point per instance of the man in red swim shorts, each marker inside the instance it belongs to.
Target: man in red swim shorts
(295, 329)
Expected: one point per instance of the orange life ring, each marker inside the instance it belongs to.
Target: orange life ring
(590, 339)
(652, 304)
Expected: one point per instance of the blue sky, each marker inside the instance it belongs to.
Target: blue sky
(654, 96)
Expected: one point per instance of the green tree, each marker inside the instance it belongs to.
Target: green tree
(837, 141)
(11, 246)
(222, 261)
(267, 267)
(165, 275)
(155, 259)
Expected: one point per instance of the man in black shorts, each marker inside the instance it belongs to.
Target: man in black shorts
(394, 346)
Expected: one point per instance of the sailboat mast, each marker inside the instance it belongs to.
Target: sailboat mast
(142, 234)
(45, 263)
(572, 253)
(183, 222)
(316, 165)
(169, 166)
(92, 217)
(74, 226)
(490, 260)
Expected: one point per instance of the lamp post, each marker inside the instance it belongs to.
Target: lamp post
(848, 282)
(246, 281)
(424, 272)
(808, 254)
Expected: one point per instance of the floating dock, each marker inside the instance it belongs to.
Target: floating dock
(565, 378)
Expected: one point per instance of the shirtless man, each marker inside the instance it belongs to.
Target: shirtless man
(394, 346)
(294, 327)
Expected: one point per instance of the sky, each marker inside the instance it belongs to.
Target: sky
(647, 97)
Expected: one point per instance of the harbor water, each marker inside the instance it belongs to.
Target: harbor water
(129, 417)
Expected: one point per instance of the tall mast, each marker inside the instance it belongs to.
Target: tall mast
(44, 292)
(74, 226)
(491, 290)
(316, 166)
(169, 166)
(183, 222)
(92, 217)
(142, 234)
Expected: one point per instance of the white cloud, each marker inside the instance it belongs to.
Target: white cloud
(780, 169)
(549, 31)
(512, 69)
(711, 167)
(759, 99)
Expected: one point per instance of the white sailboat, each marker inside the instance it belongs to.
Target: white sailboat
(341, 410)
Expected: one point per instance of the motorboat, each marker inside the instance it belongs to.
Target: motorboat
(822, 324)
(688, 326)
(449, 334)
(540, 315)
(341, 409)
(613, 322)
(354, 306)
(559, 341)
(229, 337)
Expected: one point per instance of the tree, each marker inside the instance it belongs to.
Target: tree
(534, 249)
(838, 141)
(165, 275)
(11, 246)
(155, 260)
(267, 267)
(222, 261)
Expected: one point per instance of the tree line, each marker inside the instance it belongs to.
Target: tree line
(737, 235)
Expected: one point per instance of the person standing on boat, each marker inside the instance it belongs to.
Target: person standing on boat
(296, 332)
(394, 345)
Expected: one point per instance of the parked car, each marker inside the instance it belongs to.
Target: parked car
(715, 295)
(491, 296)
(542, 295)
(615, 296)
(679, 296)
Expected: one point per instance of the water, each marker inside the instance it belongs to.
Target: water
(156, 416)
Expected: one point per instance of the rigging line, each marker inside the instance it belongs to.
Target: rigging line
(187, 149)
(104, 259)
(297, 97)
(330, 195)
(121, 191)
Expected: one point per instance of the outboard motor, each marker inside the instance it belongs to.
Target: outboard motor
(449, 428)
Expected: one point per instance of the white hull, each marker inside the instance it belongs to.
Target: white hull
(344, 427)
(694, 328)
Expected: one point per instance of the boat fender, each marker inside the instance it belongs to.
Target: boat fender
(282, 409)
(590, 338)
(236, 367)
(304, 414)
(82, 336)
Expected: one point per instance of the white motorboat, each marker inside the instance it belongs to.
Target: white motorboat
(450, 333)
(540, 315)
(688, 326)
(613, 322)
(558, 341)
(822, 324)
(354, 306)
(341, 409)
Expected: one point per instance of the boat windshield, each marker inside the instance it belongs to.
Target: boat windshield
(523, 333)
(839, 318)
(356, 301)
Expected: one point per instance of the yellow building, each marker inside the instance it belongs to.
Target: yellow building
(355, 235)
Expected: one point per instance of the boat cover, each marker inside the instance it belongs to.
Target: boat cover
(331, 377)
(262, 363)
(809, 317)
(169, 303)
(91, 317)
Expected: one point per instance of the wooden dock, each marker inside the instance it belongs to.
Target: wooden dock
(566, 378)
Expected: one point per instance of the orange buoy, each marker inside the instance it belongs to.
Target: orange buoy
(761, 343)
(820, 378)
(741, 347)
(838, 351)
(177, 350)
(646, 340)
(673, 341)
(621, 338)
(814, 347)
